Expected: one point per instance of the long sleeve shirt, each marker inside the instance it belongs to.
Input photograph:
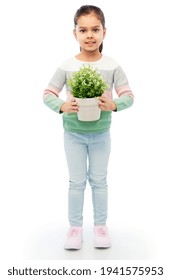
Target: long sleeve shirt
(113, 75)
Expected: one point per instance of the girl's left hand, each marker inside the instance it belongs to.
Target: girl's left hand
(106, 104)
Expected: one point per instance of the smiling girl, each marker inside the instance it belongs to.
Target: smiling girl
(87, 144)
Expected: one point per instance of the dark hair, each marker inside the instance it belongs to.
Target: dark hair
(88, 9)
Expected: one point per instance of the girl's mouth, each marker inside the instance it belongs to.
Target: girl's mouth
(90, 43)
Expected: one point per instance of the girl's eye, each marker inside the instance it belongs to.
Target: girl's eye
(96, 30)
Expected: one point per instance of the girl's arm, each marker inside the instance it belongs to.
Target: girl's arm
(125, 96)
(51, 93)
(52, 100)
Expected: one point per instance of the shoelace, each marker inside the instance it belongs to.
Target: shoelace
(101, 231)
(73, 232)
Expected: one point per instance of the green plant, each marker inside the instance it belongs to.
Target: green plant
(87, 83)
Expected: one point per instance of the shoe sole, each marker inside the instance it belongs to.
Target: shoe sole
(102, 246)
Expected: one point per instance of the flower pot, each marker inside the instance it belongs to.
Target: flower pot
(89, 109)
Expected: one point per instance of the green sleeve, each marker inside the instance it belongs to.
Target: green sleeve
(54, 102)
(123, 102)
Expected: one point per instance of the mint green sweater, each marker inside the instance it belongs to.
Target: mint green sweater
(114, 77)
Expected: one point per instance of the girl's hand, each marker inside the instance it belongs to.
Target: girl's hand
(106, 104)
(70, 107)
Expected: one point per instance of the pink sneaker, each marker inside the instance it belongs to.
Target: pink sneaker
(74, 238)
(101, 237)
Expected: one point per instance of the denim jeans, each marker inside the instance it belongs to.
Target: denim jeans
(87, 158)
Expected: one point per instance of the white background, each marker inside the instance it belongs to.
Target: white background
(36, 36)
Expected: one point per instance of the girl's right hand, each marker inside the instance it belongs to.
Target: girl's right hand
(70, 107)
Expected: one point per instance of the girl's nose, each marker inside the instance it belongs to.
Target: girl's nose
(89, 35)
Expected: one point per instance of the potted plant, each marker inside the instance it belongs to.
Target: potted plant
(86, 86)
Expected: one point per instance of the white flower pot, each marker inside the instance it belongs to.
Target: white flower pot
(89, 109)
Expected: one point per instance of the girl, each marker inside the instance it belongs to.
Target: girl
(88, 140)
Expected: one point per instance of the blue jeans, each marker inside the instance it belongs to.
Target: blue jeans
(87, 158)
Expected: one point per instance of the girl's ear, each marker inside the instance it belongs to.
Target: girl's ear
(75, 35)
(104, 33)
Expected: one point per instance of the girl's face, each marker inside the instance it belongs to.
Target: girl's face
(89, 32)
